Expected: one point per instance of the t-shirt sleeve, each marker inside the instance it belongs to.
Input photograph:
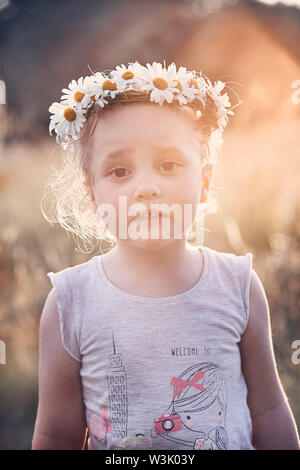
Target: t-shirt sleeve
(64, 299)
(245, 264)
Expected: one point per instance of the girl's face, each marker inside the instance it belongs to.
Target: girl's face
(204, 420)
(150, 155)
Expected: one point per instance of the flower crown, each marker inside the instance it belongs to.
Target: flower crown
(135, 82)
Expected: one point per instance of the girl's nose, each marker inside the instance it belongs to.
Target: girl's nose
(147, 191)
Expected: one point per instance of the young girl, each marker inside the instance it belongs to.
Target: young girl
(157, 343)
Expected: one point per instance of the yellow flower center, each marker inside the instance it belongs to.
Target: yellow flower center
(193, 83)
(108, 85)
(78, 96)
(178, 85)
(69, 114)
(127, 75)
(160, 83)
(93, 98)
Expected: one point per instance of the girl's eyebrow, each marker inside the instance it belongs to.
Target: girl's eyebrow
(158, 148)
(118, 153)
(168, 149)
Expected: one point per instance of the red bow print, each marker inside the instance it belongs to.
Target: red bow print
(182, 384)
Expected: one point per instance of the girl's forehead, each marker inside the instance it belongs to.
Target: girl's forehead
(138, 124)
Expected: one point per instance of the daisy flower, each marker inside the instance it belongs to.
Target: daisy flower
(127, 76)
(160, 82)
(185, 92)
(104, 86)
(76, 92)
(222, 102)
(66, 121)
(214, 90)
(94, 95)
(198, 83)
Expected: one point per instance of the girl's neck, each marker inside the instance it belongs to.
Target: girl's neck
(153, 273)
(149, 261)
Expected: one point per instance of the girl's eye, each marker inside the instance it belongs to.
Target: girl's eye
(169, 166)
(188, 417)
(119, 172)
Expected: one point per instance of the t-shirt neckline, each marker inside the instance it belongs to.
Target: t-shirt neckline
(166, 299)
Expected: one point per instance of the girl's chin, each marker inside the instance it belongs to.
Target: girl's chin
(150, 244)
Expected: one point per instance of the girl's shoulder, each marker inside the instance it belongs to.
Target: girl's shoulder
(231, 274)
(74, 288)
(226, 254)
(81, 269)
(72, 281)
(230, 262)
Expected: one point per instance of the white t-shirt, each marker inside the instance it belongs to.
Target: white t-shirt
(163, 372)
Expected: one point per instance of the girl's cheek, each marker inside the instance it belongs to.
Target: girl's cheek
(219, 420)
(189, 423)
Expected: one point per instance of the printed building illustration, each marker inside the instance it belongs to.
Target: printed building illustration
(117, 386)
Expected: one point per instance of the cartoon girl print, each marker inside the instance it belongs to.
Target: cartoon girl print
(198, 409)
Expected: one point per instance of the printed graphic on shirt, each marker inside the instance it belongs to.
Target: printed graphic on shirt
(138, 442)
(114, 428)
(190, 351)
(195, 418)
(117, 386)
(197, 411)
(100, 426)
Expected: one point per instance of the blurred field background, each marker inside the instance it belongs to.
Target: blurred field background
(257, 177)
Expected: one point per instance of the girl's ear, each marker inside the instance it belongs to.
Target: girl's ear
(207, 171)
(88, 189)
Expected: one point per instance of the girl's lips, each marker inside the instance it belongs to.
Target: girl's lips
(146, 216)
(154, 217)
(149, 214)
(154, 212)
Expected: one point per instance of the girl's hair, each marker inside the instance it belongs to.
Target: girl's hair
(66, 199)
(191, 400)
